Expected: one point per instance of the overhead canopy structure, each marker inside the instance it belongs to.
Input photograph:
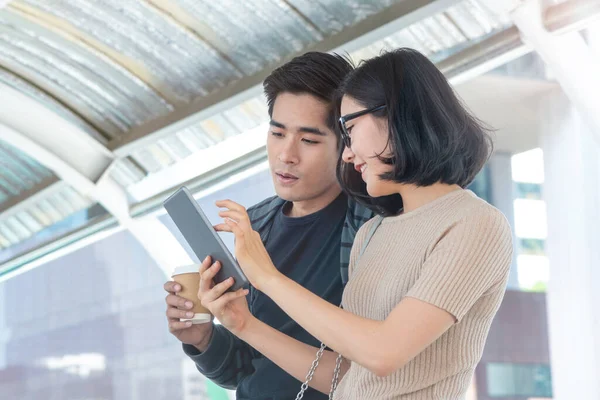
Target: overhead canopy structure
(100, 102)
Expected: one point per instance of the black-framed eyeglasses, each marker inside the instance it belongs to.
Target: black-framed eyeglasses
(346, 118)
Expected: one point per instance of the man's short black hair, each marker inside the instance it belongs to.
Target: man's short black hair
(431, 135)
(315, 73)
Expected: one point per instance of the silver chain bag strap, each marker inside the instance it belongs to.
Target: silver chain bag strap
(313, 368)
(338, 361)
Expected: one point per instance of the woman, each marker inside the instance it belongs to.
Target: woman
(423, 293)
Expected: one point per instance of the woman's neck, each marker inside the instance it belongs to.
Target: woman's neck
(414, 196)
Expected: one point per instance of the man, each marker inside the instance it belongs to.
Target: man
(308, 228)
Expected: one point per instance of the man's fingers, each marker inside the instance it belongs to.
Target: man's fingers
(179, 302)
(175, 326)
(172, 287)
(174, 313)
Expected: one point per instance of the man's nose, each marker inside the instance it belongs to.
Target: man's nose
(289, 153)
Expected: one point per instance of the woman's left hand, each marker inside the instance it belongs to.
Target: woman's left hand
(249, 249)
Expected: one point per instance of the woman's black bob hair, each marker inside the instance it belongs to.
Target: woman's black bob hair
(432, 136)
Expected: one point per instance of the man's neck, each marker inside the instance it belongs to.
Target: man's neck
(307, 207)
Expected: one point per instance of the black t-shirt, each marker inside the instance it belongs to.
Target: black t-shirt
(307, 250)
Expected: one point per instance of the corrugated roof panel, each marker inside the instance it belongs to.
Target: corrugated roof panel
(36, 212)
(175, 147)
(30, 221)
(441, 34)
(60, 202)
(195, 138)
(152, 158)
(40, 96)
(218, 127)
(248, 114)
(179, 64)
(127, 172)
(436, 36)
(104, 93)
(331, 16)
(167, 151)
(20, 173)
(7, 236)
(251, 35)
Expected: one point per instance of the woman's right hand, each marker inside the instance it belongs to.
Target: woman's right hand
(231, 309)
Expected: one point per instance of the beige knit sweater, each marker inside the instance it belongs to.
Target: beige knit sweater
(454, 253)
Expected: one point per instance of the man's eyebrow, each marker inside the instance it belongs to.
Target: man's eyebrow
(305, 129)
(276, 124)
(314, 131)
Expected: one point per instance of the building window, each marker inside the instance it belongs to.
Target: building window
(481, 184)
(518, 380)
(530, 220)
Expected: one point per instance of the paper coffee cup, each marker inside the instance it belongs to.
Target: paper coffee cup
(188, 278)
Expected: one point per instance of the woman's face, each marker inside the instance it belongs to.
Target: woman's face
(369, 138)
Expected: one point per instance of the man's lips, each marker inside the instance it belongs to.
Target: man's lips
(286, 175)
(286, 179)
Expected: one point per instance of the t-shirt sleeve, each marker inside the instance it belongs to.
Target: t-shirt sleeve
(470, 258)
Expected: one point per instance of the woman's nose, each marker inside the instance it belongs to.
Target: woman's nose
(347, 155)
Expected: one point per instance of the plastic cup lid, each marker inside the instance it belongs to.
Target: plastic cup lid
(199, 318)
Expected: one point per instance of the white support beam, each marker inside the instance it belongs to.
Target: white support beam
(573, 15)
(160, 244)
(57, 144)
(565, 52)
(593, 40)
(78, 160)
(483, 57)
(46, 157)
(568, 57)
(572, 193)
(60, 145)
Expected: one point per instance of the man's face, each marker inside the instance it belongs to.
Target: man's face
(302, 150)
